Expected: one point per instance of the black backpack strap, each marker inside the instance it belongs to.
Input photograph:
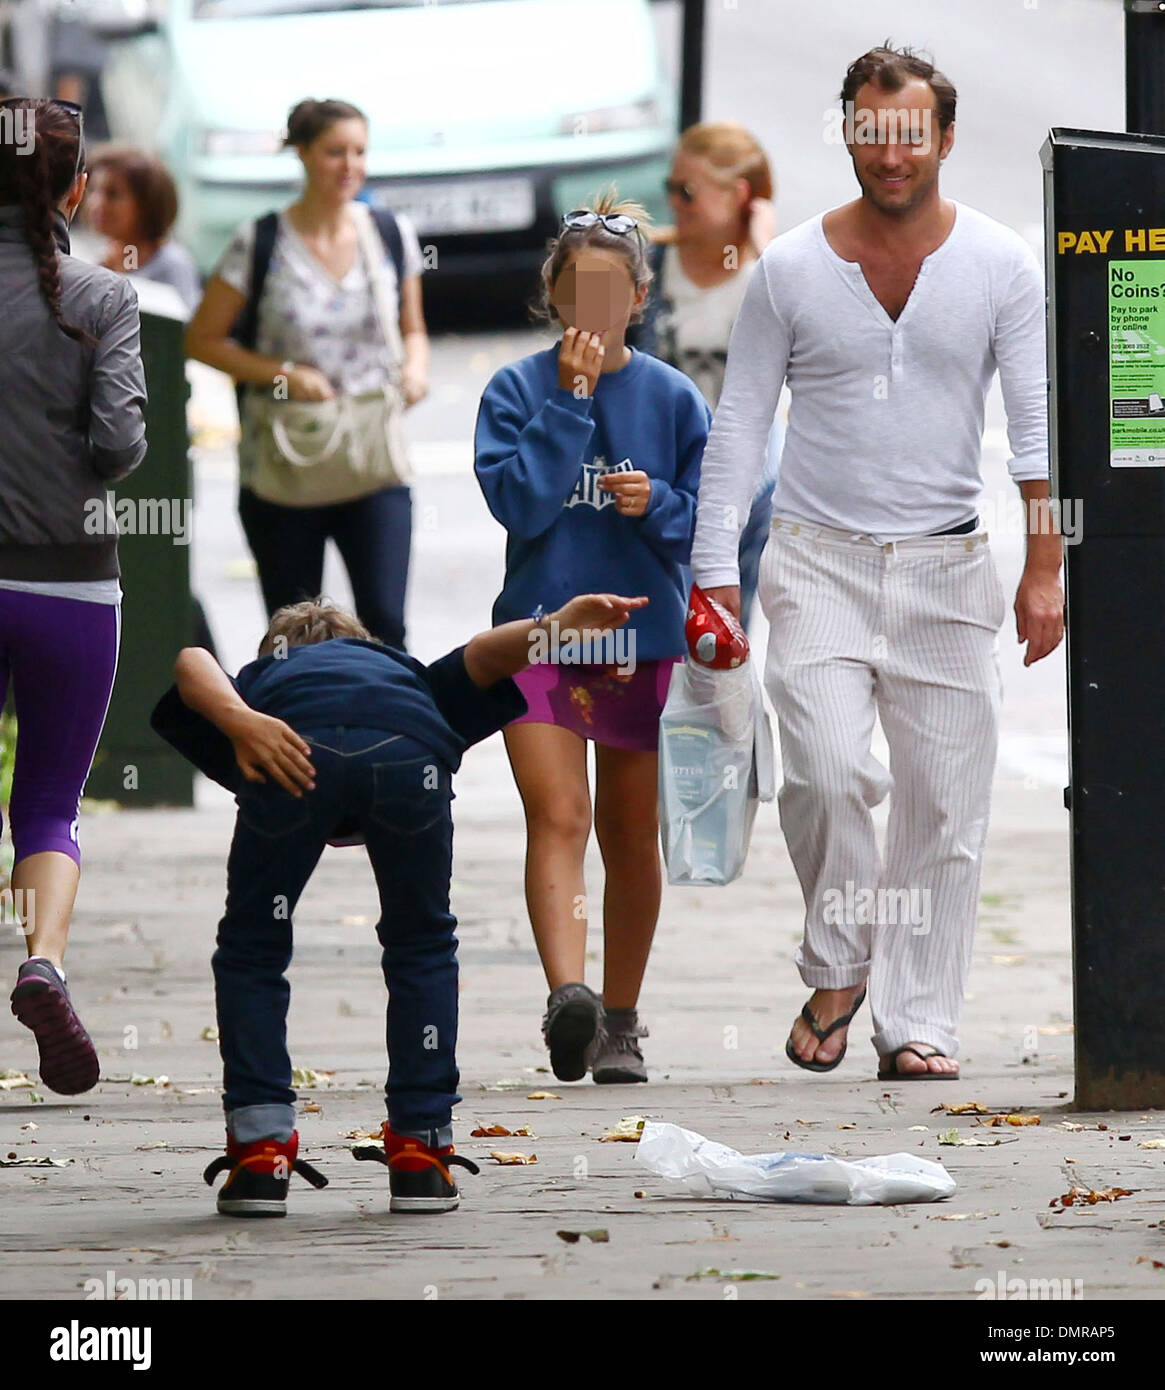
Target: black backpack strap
(246, 327)
(389, 229)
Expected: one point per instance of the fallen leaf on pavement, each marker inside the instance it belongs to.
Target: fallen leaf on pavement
(1151, 1144)
(508, 1083)
(737, 1276)
(505, 1158)
(847, 1126)
(373, 1135)
(952, 1136)
(1071, 1127)
(490, 1132)
(13, 1080)
(596, 1237)
(1007, 960)
(138, 1080)
(1149, 1260)
(627, 1131)
(993, 1121)
(543, 1095)
(311, 1108)
(920, 1129)
(966, 1107)
(209, 1034)
(1079, 1196)
(305, 1078)
(31, 1125)
(45, 1162)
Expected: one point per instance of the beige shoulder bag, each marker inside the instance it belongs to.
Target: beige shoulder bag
(314, 453)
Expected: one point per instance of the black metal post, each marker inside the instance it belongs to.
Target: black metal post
(692, 64)
(1145, 66)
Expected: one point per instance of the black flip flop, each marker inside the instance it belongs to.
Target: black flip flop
(821, 1034)
(893, 1074)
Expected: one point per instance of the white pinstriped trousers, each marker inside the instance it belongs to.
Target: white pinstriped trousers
(907, 631)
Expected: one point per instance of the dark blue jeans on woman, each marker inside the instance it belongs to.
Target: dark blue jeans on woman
(373, 535)
(398, 795)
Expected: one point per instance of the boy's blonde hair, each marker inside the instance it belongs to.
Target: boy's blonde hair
(632, 247)
(315, 620)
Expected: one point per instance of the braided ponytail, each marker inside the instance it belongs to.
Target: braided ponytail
(34, 180)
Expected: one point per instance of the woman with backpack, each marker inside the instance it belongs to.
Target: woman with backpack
(72, 399)
(316, 313)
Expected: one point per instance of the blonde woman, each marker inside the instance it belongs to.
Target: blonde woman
(720, 190)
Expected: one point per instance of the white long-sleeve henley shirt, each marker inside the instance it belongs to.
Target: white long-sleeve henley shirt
(886, 421)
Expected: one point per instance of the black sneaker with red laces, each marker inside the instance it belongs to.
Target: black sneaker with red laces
(419, 1179)
(260, 1175)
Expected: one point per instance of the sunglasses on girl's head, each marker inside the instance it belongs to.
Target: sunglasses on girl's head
(682, 191)
(72, 108)
(617, 222)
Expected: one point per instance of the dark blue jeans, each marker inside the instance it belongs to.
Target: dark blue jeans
(399, 795)
(373, 535)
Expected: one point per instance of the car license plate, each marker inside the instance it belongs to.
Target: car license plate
(482, 205)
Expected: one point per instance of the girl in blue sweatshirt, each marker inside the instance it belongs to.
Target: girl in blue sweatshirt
(589, 455)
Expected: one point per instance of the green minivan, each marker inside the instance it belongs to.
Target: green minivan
(487, 118)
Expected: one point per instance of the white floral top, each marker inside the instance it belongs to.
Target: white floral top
(308, 316)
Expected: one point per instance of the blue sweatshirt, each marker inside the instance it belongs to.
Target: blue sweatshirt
(355, 683)
(539, 452)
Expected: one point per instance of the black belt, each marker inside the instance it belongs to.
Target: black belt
(961, 529)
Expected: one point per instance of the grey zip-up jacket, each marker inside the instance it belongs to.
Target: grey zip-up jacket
(71, 417)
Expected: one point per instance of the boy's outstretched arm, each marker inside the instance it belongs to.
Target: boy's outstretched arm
(262, 744)
(504, 651)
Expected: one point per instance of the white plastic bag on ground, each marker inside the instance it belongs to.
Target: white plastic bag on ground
(715, 763)
(712, 1169)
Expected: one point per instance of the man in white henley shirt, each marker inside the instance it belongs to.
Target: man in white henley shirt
(888, 317)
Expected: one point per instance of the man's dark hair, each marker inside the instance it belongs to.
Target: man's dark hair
(890, 68)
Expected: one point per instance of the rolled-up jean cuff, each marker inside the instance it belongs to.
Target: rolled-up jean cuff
(439, 1138)
(249, 1123)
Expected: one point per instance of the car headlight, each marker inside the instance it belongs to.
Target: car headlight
(631, 115)
(240, 142)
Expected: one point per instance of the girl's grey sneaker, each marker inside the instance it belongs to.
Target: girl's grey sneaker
(573, 1017)
(616, 1056)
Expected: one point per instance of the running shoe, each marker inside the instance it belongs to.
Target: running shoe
(68, 1059)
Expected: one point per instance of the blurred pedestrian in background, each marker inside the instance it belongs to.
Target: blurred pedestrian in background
(588, 453)
(133, 201)
(72, 397)
(316, 312)
(720, 189)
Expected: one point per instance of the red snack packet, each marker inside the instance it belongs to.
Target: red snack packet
(715, 638)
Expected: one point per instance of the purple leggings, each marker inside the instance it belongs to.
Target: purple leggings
(61, 654)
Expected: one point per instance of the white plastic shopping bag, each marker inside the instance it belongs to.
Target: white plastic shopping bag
(715, 764)
(715, 1170)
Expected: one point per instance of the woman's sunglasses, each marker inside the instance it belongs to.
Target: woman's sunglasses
(617, 222)
(73, 109)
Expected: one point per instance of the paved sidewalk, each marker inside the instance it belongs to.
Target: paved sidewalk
(720, 996)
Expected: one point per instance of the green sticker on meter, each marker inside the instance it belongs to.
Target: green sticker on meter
(1136, 363)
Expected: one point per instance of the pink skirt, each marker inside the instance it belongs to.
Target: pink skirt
(617, 708)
